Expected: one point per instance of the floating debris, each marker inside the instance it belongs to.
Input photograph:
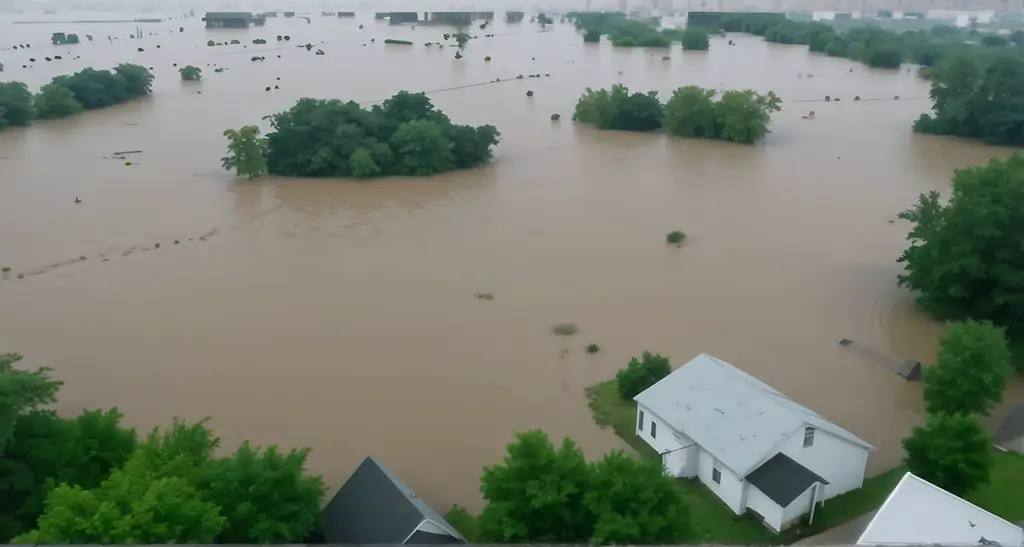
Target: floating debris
(556, 117)
(565, 329)
(529, 93)
(484, 296)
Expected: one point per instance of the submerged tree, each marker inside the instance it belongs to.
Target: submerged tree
(964, 258)
(246, 152)
(691, 112)
(619, 109)
(191, 73)
(695, 39)
(55, 101)
(16, 101)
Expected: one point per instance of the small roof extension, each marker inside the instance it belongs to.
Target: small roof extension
(375, 507)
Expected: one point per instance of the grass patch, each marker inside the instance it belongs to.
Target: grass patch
(565, 329)
(465, 523)
(713, 522)
(1004, 493)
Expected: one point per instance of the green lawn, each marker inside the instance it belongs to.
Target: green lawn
(713, 522)
(1004, 494)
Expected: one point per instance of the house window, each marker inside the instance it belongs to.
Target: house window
(654, 429)
(716, 475)
(640, 422)
(808, 437)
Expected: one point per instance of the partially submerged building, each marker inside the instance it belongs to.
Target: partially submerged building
(232, 19)
(514, 16)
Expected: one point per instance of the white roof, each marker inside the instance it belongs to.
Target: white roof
(734, 416)
(921, 513)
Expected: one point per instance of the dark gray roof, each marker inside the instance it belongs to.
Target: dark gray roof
(1013, 426)
(782, 479)
(374, 506)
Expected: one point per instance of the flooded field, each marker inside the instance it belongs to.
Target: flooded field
(340, 315)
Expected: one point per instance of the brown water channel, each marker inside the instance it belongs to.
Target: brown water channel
(340, 315)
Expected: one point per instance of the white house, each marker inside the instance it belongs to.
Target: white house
(752, 446)
(918, 512)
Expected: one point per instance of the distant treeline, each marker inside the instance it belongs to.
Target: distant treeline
(625, 32)
(70, 94)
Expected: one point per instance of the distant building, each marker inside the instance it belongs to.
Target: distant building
(230, 19)
(514, 16)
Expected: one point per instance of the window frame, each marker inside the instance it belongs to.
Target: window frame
(715, 471)
(809, 433)
(654, 429)
(640, 420)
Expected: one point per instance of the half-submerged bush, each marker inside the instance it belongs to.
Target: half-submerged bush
(405, 135)
(618, 109)
(695, 39)
(398, 42)
(191, 73)
(641, 374)
(675, 237)
(737, 116)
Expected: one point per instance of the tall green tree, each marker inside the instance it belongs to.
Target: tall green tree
(635, 503)
(619, 109)
(951, 451)
(537, 494)
(745, 116)
(55, 101)
(970, 374)
(640, 374)
(16, 101)
(138, 80)
(21, 392)
(265, 495)
(246, 152)
(691, 113)
(965, 258)
(695, 39)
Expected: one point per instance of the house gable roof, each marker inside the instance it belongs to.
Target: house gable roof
(375, 507)
(1013, 426)
(783, 479)
(918, 512)
(737, 418)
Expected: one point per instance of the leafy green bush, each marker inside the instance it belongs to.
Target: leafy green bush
(405, 135)
(191, 73)
(641, 374)
(592, 36)
(675, 237)
(618, 109)
(738, 116)
(695, 39)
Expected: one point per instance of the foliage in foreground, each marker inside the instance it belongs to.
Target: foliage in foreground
(548, 495)
(87, 479)
(971, 371)
(640, 374)
(965, 257)
(405, 135)
(246, 152)
(952, 451)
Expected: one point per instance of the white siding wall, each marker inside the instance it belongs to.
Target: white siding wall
(767, 508)
(800, 506)
(731, 487)
(664, 441)
(833, 458)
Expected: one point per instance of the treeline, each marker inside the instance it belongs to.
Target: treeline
(405, 135)
(90, 480)
(70, 94)
(625, 32)
(541, 493)
(692, 112)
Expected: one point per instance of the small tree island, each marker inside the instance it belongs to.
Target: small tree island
(405, 135)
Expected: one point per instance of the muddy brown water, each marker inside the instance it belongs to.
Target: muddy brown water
(340, 315)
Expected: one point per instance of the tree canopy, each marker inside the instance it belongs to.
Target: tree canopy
(951, 451)
(695, 39)
(191, 73)
(246, 152)
(965, 259)
(971, 372)
(738, 116)
(55, 101)
(544, 494)
(623, 32)
(640, 374)
(16, 104)
(405, 135)
(619, 109)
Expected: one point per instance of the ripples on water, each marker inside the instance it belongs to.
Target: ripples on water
(340, 315)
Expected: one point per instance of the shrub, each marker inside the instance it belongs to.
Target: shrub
(565, 329)
(675, 237)
(695, 40)
(641, 374)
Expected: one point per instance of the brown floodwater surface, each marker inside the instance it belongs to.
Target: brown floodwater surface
(341, 315)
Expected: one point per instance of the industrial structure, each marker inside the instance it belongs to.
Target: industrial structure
(232, 19)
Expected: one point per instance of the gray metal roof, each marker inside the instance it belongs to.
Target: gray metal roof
(374, 506)
(783, 479)
(737, 418)
(1013, 426)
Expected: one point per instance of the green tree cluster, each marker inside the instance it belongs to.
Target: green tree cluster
(619, 109)
(952, 450)
(87, 479)
(965, 258)
(191, 73)
(59, 38)
(623, 32)
(405, 135)
(978, 98)
(640, 374)
(692, 112)
(544, 494)
(695, 39)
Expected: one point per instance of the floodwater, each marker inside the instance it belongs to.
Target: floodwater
(341, 315)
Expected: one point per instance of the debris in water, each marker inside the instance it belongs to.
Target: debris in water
(484, 296)
(529, 93)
